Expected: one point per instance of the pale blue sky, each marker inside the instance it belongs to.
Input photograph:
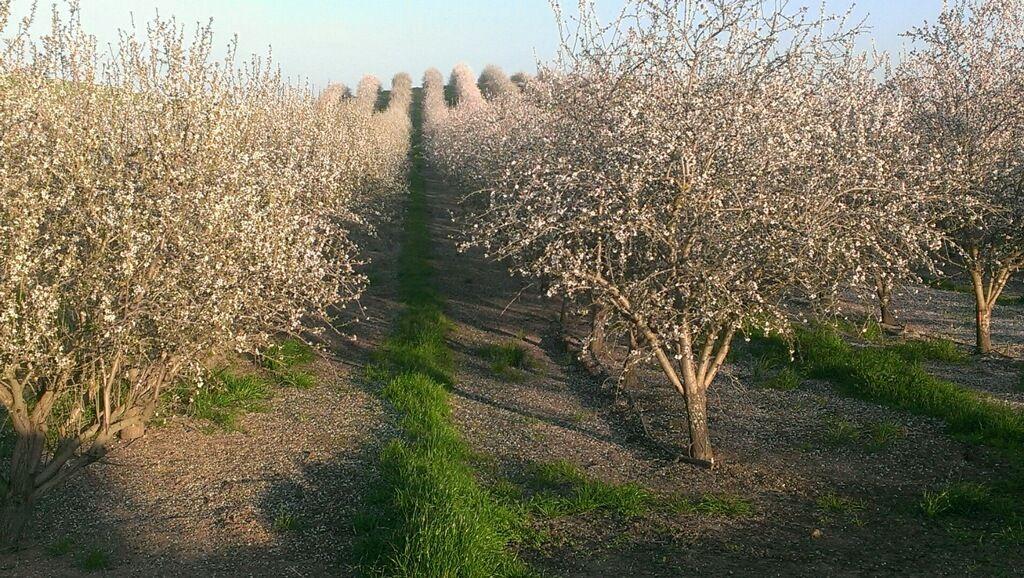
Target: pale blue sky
(340, 40)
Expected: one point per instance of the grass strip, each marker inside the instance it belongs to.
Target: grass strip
(429, 516)
(559, 489)
(893, 375)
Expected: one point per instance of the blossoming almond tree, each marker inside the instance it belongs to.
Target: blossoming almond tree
(463, 84)
(435, 109)
(493, 82)
(368, 91)
(965, 77)
(692, 174)
(520, 79)
(156, 207)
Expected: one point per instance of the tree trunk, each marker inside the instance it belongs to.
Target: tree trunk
(884, 291)
(561, 312)
(697, 415)
(984, 328)
(14, 516)
(696, 407)
(629, 377)
(983, 303)
(17, 501)
(598, 319)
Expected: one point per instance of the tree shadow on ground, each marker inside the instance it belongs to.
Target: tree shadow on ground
(301, 525)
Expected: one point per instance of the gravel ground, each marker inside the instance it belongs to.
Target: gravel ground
(774, 449)
(182, 502)
(951, 314)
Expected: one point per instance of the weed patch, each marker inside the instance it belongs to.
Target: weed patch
(61, 547)
(285, 360)
(509, 360)
(873, 436)
(834, 506)
(960, 499)
(842, 433)
(226, 397)
(286, 522)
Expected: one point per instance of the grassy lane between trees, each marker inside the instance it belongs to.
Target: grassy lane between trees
(429, 515)
(893, 375)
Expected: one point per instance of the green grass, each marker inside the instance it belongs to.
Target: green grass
(295, 378)
(893, 376)
(947, 284)
(509, 360)
(842, 433)
(874, 436)
(288, 354)
(226, 397)
(285, 522)
(770, 373)
(882, 434)
(229, 394)
(95, 560)
(285, 361)
(560, 488)
(429, 516)
(888, 376)
(961, 499)
(936, 349)
(833, 505)
(977, 512)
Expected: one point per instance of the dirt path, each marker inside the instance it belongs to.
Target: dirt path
(789, 454)
(274, 499)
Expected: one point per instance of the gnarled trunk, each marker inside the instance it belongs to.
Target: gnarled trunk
(598, 320)
(18, 500)
(884, 291)
(15, 513)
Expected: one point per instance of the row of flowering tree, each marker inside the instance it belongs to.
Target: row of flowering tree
(159, 206)
(965, 82)
(701, 169)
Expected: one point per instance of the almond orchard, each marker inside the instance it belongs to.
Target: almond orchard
(718, 288)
